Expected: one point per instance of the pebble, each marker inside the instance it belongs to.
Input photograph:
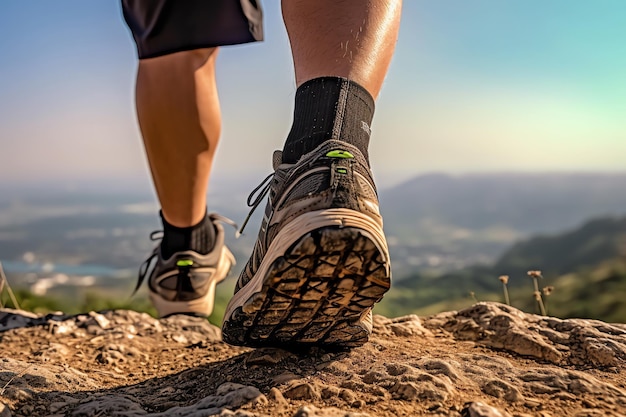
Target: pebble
(302, 391)
(4, 410)
(276, 397)
(312, 411)
(531, 403)
(479, 409)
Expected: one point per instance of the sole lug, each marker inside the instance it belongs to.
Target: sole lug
(317, 293)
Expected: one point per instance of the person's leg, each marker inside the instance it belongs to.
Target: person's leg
(353, 39)
(179, 116)
(321, 260)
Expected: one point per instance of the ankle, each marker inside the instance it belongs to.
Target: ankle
(199, 238)
(329, 108)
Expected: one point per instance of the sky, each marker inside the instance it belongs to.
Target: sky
(480, 86)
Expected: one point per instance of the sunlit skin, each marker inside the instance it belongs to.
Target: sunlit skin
(351, 39)
(179, 115)
(178, 106)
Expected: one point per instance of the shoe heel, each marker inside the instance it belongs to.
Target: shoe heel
(321, 291)
(202, 306)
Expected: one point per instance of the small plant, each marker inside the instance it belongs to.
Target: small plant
(536, 275)
(4, 282)
(472, 294)
(547, 291)
(504, 279)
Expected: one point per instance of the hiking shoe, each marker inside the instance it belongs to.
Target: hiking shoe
(185, 282)
(321, 259)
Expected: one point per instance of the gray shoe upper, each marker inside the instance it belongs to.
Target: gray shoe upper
(186, 275)
(334, 175)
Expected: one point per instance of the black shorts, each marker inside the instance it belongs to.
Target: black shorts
(162, 27)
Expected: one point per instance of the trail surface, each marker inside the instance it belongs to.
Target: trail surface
(489, 360)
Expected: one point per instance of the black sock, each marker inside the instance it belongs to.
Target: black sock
(329, 108)
(199, 238)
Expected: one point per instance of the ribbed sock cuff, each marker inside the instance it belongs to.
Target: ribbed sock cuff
(199, 238)
(329, 108)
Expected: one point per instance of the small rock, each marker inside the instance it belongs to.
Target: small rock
(4, 410)
(63, 328)
(404, 326)
(56, 349)
(348, 396)
(531, 403)
(302, 391)
(330, 392)
(195, 328)
(358, 404)
(179, 338)
(411, 391)
(233, 395)
(27, 410)
(375, 376)
(277, 397)
(478, 409)
(311, 411)
(500, 389)
(441, 367)
(284, 377)
(102, 321)
(227, 396)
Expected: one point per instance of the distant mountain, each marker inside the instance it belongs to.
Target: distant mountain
(595, 242)
(528, 203)
(435, 223)
(586, 265)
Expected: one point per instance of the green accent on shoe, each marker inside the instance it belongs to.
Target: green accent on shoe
(340, 154)
(342, 170)
(184, 262)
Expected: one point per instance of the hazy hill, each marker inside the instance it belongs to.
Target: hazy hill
(435, 223)
(595, 242)
(587, 267)
(530, 203)
(443, 222)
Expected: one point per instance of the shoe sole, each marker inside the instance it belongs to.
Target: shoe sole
(320, 292)
(202, 306)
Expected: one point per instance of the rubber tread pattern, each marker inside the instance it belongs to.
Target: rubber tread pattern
(317, 293)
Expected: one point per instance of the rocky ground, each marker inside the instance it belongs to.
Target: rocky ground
(487, 360)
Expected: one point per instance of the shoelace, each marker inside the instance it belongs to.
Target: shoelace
(262, 189)
(149, 263)
(146, 265)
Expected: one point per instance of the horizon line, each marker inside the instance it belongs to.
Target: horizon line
(389, 179)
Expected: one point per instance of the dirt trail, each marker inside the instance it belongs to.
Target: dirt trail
(487, 360)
